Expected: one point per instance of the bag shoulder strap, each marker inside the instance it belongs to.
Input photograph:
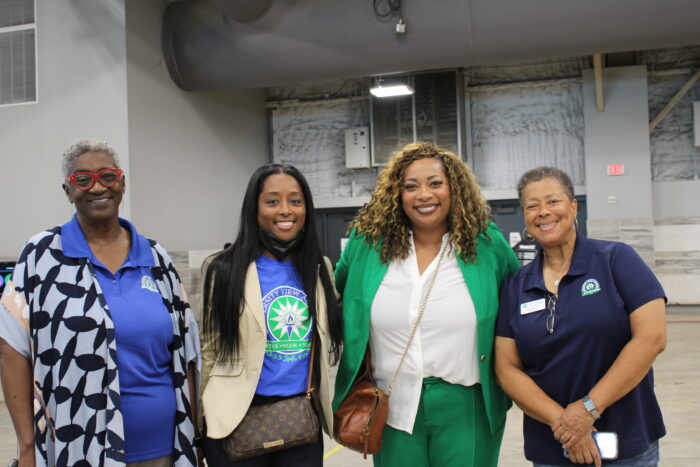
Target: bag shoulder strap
(309, 388)
(445, 246)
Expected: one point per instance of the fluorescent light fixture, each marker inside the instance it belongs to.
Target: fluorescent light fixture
(391, 91)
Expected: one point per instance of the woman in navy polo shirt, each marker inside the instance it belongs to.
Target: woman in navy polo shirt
(96, 326)
(577, 333)
(268, 298)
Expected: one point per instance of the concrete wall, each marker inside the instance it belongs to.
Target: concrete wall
(660, 219)
(187, 156)
(677, 239)
(675, 171)
(192, 152)
(519, 126)
(81, 93)
(619, 135)
(544, 113)
(677, 199)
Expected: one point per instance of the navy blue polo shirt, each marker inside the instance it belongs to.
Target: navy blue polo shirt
(144, 333)
(606, 282)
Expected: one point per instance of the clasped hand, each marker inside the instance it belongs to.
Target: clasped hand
(573, 429)
(573, 424)
(585, 451)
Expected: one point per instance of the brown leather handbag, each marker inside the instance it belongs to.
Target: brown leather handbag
(358, 423)
(272, 427)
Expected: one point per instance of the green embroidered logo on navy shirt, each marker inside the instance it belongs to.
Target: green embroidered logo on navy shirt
(590, 287)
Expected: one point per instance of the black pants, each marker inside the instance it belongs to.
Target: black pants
(308, 455)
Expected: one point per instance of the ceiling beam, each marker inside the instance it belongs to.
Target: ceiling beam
(598, 72)
(674, 101)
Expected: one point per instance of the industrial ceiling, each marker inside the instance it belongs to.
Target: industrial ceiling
(229, 44)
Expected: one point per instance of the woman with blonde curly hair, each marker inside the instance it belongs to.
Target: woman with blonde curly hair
(423, 259)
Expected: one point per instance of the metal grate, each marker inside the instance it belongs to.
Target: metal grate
(17, 52)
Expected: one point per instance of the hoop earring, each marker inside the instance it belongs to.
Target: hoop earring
(576, 224)
(526, 235)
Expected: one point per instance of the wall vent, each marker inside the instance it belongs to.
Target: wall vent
(430, 114)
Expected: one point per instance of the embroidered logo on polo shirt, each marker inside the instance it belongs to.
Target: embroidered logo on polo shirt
(148, 284)
(590, 287)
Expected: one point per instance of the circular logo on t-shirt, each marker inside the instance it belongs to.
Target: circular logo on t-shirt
(288, 321)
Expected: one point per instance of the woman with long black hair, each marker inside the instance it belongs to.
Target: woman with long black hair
(260, 330)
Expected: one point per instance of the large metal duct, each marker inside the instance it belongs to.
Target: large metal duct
(297, 40)
(243, 11)
(237, 44)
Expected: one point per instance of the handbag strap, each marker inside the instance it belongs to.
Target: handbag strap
(420, 316)
(310, 389)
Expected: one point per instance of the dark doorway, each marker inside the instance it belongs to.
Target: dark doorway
(333, 222)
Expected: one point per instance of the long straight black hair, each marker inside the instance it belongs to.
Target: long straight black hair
(224, 278)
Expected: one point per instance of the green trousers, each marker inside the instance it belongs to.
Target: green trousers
(451, 430)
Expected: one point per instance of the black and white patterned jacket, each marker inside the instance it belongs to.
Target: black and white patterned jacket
(58, 303)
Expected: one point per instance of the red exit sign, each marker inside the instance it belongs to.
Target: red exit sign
(616, 169)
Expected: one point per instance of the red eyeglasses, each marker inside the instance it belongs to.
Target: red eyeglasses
(86, 180)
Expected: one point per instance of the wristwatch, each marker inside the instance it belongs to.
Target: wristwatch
(590, 406)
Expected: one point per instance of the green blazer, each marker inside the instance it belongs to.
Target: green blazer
(358, 275)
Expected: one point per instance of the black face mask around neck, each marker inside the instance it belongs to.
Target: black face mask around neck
(280, 249)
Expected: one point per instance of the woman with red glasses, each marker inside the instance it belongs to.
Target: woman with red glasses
(99, 346)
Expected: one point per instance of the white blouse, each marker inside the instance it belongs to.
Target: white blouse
(445, 342)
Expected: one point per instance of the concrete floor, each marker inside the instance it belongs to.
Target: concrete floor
(677, 378)
(677, 375)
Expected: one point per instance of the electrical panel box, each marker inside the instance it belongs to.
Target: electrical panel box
(696, 122)
(357, 147)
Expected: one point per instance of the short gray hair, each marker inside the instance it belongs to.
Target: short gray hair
(80, 147)
(540, 173)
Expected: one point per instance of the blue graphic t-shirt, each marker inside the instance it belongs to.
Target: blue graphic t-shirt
(289, 329)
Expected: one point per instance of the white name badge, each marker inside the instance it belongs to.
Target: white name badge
(531, 307)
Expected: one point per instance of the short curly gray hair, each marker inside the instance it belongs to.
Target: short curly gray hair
(80, 147)
(540, 173)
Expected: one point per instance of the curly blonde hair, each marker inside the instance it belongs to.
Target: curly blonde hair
(383, 218)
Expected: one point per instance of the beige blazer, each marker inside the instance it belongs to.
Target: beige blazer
(228, 389)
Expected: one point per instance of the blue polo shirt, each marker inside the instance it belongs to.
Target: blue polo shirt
(144, 333)
(606, 282)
